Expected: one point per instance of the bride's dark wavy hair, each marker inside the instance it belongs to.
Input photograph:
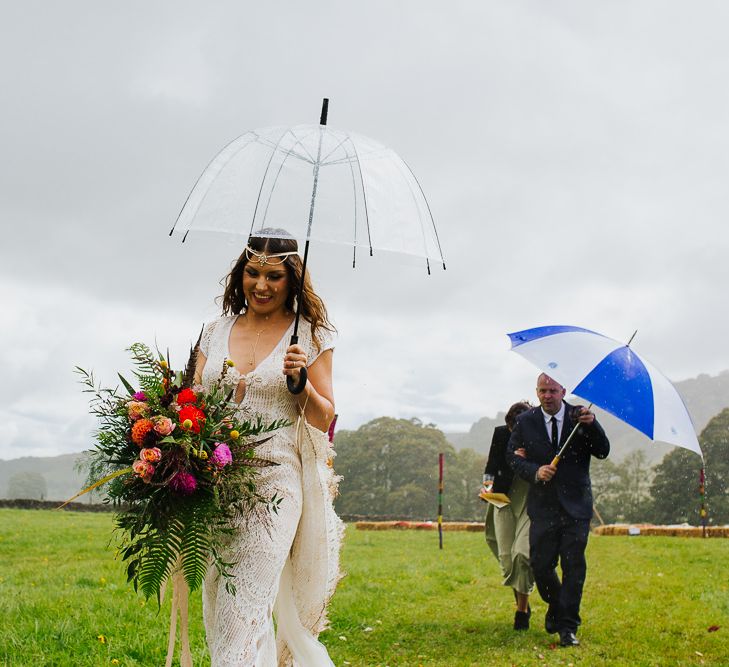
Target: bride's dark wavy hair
(312, 307)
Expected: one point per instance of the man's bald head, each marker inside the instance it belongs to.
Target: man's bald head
(550, 394)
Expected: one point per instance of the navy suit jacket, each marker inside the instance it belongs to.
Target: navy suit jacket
(570, 488)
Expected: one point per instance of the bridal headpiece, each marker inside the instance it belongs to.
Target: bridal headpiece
(262, 258)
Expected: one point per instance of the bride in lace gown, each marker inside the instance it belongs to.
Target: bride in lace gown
(286, 563)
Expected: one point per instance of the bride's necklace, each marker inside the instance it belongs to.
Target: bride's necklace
(254, 344)
(252, 358)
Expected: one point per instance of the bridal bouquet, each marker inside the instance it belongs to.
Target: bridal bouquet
(179, 466)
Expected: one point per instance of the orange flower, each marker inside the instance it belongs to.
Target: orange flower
(140, 429)
(150, 454)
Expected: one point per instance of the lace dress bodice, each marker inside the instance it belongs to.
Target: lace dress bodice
(266, 393)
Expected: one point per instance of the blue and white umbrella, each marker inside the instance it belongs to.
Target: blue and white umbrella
(611, 375)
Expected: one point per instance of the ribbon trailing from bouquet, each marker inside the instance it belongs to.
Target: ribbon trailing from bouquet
(180, 599)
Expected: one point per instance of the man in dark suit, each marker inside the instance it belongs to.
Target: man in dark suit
(560, 499)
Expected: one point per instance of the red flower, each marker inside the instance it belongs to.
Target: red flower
(195, 415)
(186, 396)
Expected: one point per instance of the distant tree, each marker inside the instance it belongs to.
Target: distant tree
(410, 500)
(636, 476)
(463, 475)
(675, 486)
(390, 466)
(27, 485)
(621, 491)
(604, 476)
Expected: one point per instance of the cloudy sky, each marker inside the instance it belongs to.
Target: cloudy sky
(575, 156)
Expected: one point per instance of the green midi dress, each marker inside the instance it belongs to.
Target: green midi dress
(507, 534)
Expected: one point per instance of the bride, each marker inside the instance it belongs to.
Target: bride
(286, 562)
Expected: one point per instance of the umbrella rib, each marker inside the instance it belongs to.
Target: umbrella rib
(364, 193)
(312, 159)
(400, 164)
(265, 174)
(430, 214)
(308, 157)
(354, 199)
(323, 161)
(270, 194)
(203, 172)
(381, 152)
(287, 153)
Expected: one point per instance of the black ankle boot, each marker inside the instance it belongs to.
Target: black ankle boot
(521, 619)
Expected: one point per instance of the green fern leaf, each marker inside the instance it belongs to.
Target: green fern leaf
(159, 557)
(195, 547)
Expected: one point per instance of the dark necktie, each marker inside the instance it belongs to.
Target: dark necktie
(555, 436)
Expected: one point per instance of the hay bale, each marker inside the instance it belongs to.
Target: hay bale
(648, 530)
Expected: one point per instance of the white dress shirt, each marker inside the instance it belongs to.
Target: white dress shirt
(560, 422)
(548, 425)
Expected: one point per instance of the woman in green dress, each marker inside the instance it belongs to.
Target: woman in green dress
(507, 527)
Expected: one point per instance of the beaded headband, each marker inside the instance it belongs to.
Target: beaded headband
(262, 259)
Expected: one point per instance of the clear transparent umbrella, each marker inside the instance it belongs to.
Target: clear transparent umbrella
(319, 184)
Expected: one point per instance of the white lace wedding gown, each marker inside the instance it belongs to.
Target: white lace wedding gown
(287, 563)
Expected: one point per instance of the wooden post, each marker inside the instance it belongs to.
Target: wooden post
(440, 500)
(702, 493)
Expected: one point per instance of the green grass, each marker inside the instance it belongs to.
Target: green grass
(648, 601)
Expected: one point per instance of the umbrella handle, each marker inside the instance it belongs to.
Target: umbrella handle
(293, 386)
(297, 387)
(560, 453)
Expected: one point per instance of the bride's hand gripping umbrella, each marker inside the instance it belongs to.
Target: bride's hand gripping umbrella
(612, 376)
(321, 184)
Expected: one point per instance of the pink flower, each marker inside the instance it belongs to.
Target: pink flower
(163, 425)
(183, 483)
(150, 454)
(140, 396)
(221, 456)
(137, 409)
(143, 469)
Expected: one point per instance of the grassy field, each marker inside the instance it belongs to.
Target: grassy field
(648, 601)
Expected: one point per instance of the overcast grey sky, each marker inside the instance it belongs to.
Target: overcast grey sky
(575, 156)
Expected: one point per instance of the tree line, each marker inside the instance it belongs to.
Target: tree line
(389, 467)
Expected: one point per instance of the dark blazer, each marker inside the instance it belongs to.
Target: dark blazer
(570, 488)
(496, 465)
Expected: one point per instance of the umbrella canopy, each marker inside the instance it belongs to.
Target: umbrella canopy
(611, 375)
(365, 195)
